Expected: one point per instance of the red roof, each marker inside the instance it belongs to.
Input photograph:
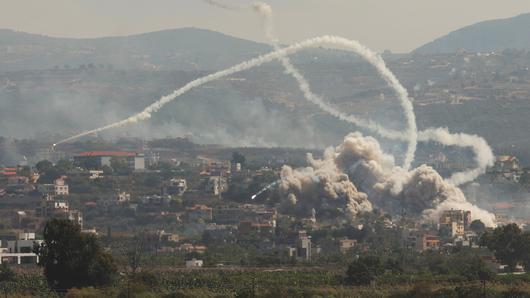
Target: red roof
(107, 153)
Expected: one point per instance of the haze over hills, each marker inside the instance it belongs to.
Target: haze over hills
(183, 49)
(57, 82)
(487, 36)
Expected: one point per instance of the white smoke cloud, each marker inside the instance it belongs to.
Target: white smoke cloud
(322, 187)
(359, 161)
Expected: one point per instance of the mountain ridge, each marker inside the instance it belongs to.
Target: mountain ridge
(485, 36)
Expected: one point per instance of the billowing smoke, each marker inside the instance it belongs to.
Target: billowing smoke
(358, 173)
(322, 187)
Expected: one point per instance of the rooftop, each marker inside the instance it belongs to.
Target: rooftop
(107, 153)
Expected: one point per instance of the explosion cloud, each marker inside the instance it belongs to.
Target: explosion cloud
(359, 161)
(423, 187)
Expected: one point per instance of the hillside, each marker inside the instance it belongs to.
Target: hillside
(487, 36)
(184, 49)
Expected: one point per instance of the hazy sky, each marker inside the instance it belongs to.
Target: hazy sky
(399, 25)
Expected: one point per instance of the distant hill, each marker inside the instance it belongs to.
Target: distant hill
(184, 49)
(492, 35)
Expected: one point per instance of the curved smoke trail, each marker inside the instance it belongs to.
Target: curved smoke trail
(410, 136)
(483, 154)
(329, 40)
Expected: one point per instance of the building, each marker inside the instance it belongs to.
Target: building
(7, 172)
(58, 188)
(20, 251)
(123, 197)
(175, 186)
(454, 223)
(194, 263)
(98, 159)
(51, 208)
(422, 241)
(95, 174)
(199, 213)
(347, 245)
(262, 229)
(215, 185)
(303, 246)
(506, 163)
(229, 215)
(189, 248)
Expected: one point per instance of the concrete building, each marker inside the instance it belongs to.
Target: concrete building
(20, 251)
(422, 241)
(58, 188)
(194, 263)
(303, 246)
(135, 161)
(51, 208)
(199, 213)
(454, 223)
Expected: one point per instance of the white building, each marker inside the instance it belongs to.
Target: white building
(20, 251)
(194, 263)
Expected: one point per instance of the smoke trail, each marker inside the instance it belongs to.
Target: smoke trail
(266, 188)
(328, 40)
(410, 136)
(484, 157)
(483, 154)
(222, 5)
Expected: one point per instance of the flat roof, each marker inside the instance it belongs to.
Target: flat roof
(107, 153)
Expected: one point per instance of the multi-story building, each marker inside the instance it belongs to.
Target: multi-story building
(454, 223)
(98, 159)
(422, 241)
(20, 251)
(58, 188)
(52, 208)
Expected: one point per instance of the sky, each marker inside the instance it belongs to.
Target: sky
(396, 25)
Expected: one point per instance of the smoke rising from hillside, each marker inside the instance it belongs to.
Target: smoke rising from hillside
(360, 162)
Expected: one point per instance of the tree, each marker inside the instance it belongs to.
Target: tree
(6, 273)
(72, 259)
(6, 276)
(508, 244)
(364, 270)
(64, 166)
(120, 166)
(477, 226)
(238, 158)
(43, 166)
